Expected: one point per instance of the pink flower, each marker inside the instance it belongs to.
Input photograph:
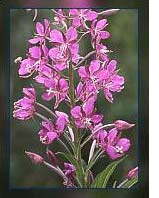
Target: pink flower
(50, 132)
(82, 15)
(37, 57)
(114, 83)
(85, 90)
(97, 33)
(24, 108)
(42, 32)
(55, 88)
(84, 116)
(95, 74)
(116, 146)
(66, 47)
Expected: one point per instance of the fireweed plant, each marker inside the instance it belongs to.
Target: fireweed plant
(52, 60)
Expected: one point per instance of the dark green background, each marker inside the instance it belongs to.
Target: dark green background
(123, 28)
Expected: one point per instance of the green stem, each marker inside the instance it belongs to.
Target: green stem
(63, 144)
(120, 185)
(42, 117)
(46, 108)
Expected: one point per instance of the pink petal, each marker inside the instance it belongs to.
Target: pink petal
(103, 75)
(51, 136)
(73, 12)
(63, 85)
(112, 65)
(104, 34)
(125, 143)
(82, 72)
(74, 48)
(88, 106)
(94, 66)
(76, 22)
(47, 97)
(40, 28)
(91, 15)
(71, 34)
(76, 112)
(35, 52)
(60, 66)
(56, 36)
(112, 153)
(35, 40)
(97, 118)
(53, 53)
(101, 24)
(112, 135)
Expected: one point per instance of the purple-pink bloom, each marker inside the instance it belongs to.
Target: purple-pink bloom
(116, 146)
(114, 83)
(55, 88)
(97, 33)
(95, 74)
(51, 131)
(85, 90)
(66, 47)
(82, 15)
(37, 57)
(42, 32)
(24, 108)
(100, 135)
(84, 116)
(37, 159)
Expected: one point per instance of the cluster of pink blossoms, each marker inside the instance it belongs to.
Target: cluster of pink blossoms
(51, 52)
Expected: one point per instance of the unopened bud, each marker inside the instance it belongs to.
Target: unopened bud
(132, 173)
(122, 125)
(37, 159)
(52, 157)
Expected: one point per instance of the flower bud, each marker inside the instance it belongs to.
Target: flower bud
(52, 157)
(132, 173)
(37, 159)
(122, 125)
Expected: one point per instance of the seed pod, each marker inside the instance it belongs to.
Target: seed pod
(52, 157)
(37, 159)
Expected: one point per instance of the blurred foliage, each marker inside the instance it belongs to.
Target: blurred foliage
(123, 28)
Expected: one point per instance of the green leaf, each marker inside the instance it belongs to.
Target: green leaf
(130, 183)
(103, 177)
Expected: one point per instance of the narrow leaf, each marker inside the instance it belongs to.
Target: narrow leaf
(103, 177)
(130, 183)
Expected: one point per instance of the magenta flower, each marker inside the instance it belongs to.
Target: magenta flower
(95, 74)
(42, 32)
(50, 132)
(101, 52)
(82, 15)
(37, 57)
(97, 33)
(114, 83)
(69, 171)
(24, 108)
(84, 116)
(66, 47)
(85, 90)
(116, 146)
(55, 88)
